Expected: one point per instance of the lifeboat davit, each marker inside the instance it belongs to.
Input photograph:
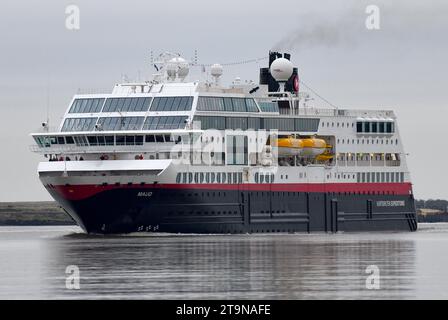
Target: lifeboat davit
(309, 147)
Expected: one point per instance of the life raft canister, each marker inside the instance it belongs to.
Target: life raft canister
(296, 83)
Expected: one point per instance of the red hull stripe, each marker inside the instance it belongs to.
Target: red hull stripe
(79, 192)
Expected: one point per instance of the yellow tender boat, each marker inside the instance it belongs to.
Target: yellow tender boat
(309, 147)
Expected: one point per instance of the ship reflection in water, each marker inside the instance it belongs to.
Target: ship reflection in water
(278, 266)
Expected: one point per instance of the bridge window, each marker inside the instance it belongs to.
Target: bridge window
(130, 140)
(150, 138)
(109, 140)
(93, 140)
(120, 140)
(69, 140)
(138, 140)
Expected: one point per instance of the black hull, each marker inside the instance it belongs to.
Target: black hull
(125, 210)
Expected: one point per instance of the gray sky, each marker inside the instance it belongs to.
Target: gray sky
(402, 66)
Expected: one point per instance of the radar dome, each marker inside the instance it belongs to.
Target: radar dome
(171, 69)
(216, 70)
(281, 69)
(177, 66)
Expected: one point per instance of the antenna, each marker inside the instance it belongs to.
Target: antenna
(47, 123)
(195, 59)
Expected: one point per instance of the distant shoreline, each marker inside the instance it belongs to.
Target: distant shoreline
(49, 213)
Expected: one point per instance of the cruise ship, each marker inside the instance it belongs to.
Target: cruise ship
(183, 156)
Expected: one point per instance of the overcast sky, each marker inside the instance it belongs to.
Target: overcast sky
(402, 66)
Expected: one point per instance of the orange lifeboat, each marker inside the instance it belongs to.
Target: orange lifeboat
(309, 147)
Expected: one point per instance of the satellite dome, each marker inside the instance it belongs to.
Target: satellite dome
(216, 70)
(171, 69)
(178, 66)
(281, 69)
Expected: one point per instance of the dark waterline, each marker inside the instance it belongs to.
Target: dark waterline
(275, 266)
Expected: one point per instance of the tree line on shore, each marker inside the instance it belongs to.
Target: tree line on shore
(437, 204)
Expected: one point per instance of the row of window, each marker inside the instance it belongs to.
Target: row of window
(106, 140)
(237, 177)
(227, 104)
(380, 177)
(119, 140)
(160, 123)
(124, 123)
(140, 104)
(120, 123)
(264, 178)
(172, 104)
(87, 105)
(374, 127)
(365, 126)
(340, 176)
(368, 141)
(268, 106)
(332, 124)
(79, 124)
(179, 122)
(367, 156)
(127, 104)
(244, 123)
(209, 177)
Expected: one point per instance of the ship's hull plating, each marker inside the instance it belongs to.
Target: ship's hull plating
(155, 208)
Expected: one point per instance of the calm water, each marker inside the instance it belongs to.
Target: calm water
(282, 266)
